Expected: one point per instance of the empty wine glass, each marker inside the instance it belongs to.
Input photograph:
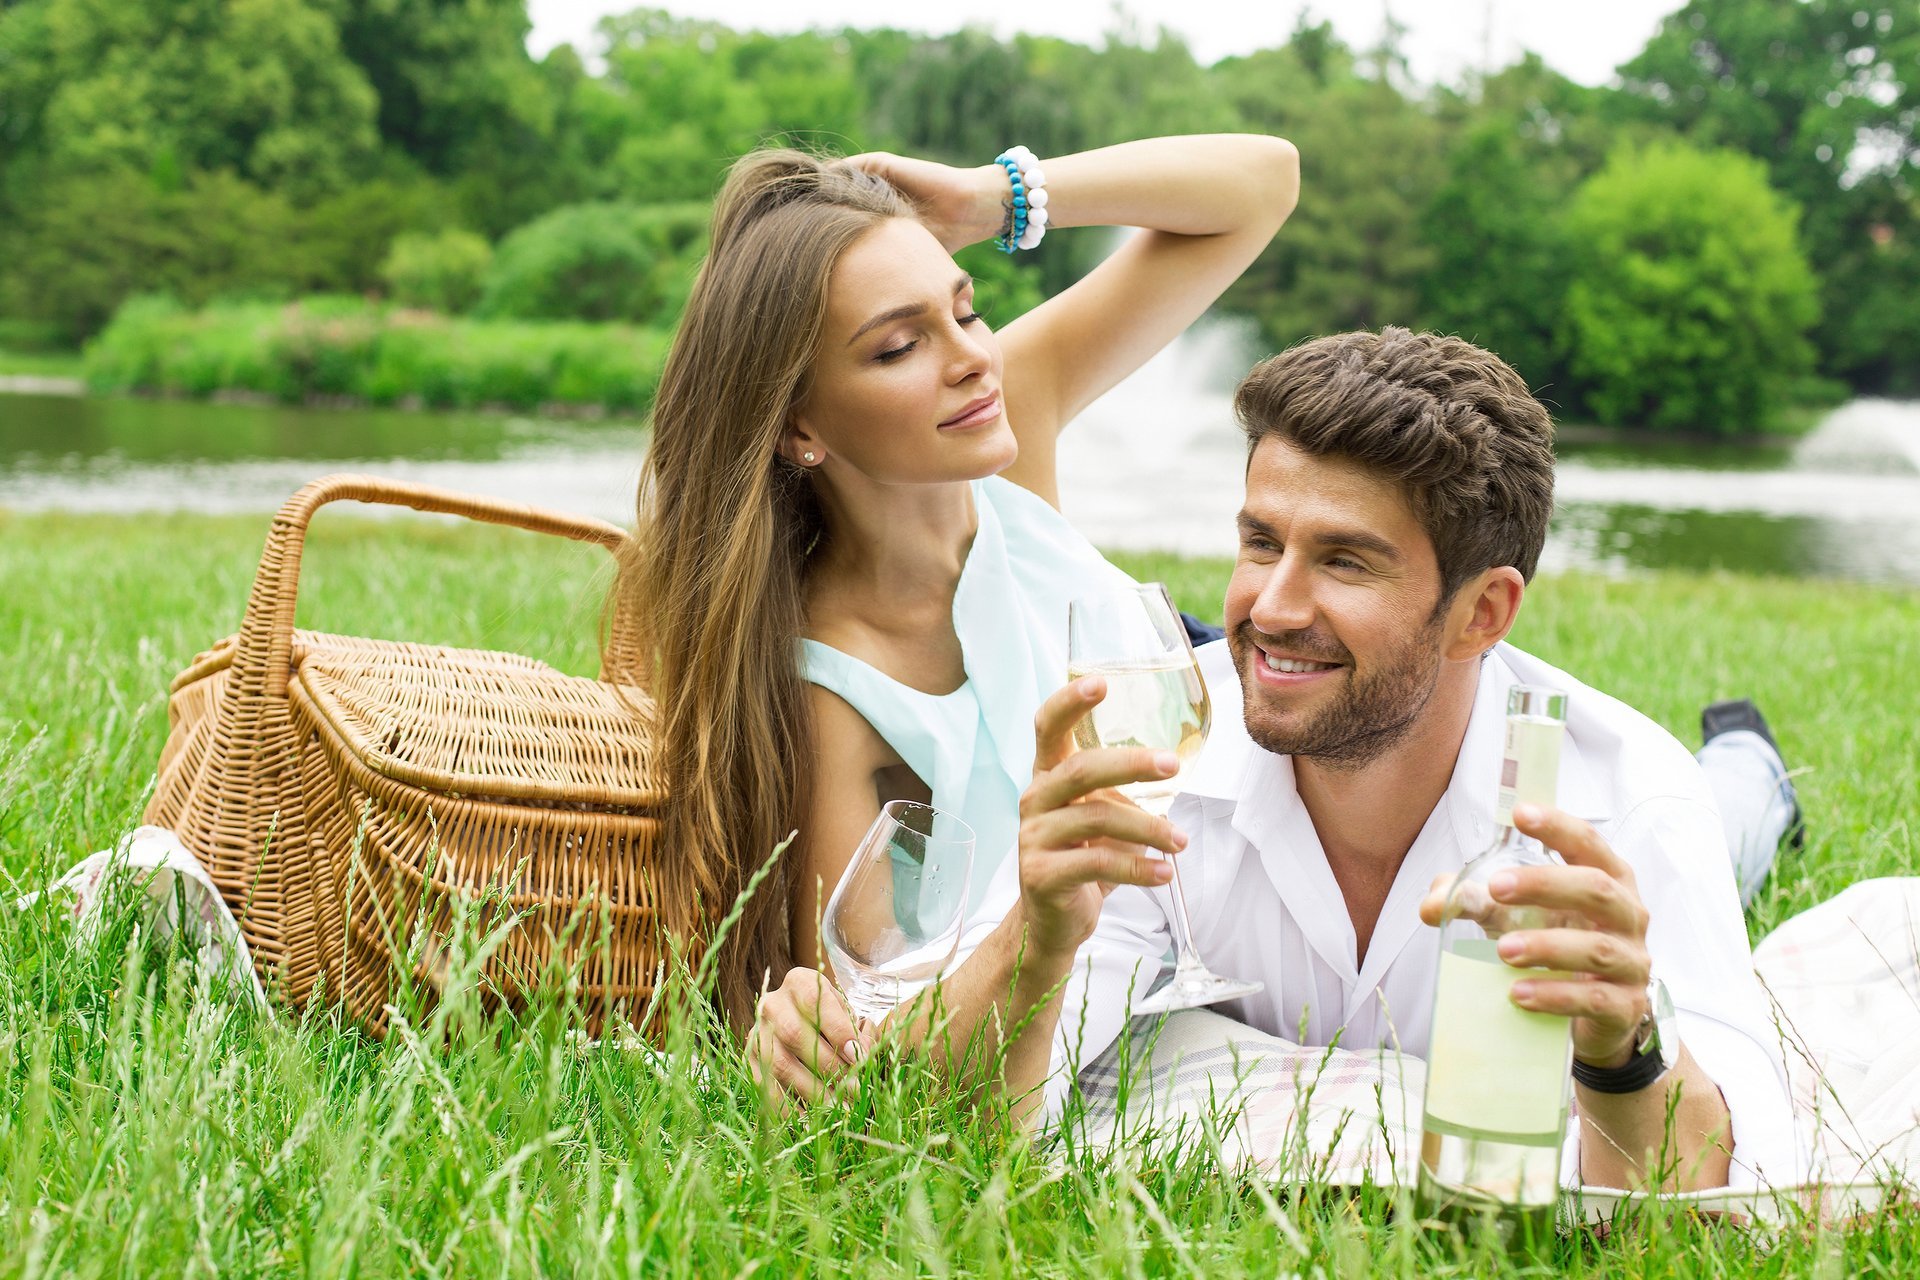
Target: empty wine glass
(894, 920)
(1134, 639)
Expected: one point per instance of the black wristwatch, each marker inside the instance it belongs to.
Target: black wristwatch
(1656, 1049)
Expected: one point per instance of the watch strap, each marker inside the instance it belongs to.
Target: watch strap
(1642, 1069)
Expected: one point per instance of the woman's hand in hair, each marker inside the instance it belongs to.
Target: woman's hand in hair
(959, 206)
(804, 1040)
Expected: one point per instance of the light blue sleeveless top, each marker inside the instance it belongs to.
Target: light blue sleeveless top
(974, 747)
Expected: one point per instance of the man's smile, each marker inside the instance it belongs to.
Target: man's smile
(1283, 669)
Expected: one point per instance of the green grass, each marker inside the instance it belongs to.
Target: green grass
(42, 364)
(346, 347)
(151, 1128)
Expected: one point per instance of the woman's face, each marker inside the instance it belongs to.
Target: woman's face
(905, 388)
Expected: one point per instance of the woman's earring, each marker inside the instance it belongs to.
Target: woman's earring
(807, 456)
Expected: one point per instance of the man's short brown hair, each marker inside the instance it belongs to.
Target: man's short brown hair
(1453, 424)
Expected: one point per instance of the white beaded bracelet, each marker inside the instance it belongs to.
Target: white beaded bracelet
(1027, 210)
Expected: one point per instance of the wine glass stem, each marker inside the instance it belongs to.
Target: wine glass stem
(1186, 955)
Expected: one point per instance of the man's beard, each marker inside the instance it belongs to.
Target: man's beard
(1371, 714)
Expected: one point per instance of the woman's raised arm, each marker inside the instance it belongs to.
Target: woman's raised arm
(1208, 204)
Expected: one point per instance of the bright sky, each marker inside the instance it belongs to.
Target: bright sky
(1444, 37)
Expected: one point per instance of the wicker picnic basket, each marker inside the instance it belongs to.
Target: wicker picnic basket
(348, 795)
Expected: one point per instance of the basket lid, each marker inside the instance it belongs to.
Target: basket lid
(486, 725)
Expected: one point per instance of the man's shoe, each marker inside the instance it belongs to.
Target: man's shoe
(1726, 717)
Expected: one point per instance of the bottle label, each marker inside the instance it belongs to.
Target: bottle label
(1494, 1069)
(1530, 768)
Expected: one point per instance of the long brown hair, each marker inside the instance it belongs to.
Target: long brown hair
(713, 584)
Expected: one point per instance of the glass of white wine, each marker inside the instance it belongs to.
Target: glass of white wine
(1133, 637)
(894, 920)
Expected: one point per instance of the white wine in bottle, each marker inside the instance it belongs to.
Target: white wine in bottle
(1497, 1075)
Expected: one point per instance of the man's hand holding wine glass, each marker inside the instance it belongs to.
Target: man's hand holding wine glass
(1079, 837)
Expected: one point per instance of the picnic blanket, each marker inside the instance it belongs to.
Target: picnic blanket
(1844, 980)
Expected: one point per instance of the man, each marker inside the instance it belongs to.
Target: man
(1397, 496)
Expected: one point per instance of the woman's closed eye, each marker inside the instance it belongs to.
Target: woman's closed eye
(894, 353)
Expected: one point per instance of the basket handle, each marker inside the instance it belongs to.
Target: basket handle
(263, 653)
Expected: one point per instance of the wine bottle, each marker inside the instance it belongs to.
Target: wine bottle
(1497, 1075)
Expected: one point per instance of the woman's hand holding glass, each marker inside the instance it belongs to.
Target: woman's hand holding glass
(805, 1040)
(890, 930)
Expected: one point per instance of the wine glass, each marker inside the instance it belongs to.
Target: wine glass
(1133, 637)
(894, 920)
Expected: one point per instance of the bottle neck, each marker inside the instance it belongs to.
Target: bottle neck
(1529, 766)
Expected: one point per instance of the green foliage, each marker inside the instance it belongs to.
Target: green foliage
(443, 272)
(1497, 275)
(1689, 299)
(258, 87)
(346, 347)
(1824, 93)
(342, 239)
(683, 97)
(598, 262)
(86, 242)
(39, 363)
(300, 138)
(1351, 256)
(1520, 146)
(89, 241)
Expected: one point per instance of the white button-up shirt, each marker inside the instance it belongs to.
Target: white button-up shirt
(1265, 905)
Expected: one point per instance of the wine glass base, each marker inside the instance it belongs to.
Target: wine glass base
(1194, 990)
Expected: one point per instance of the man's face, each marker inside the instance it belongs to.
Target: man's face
(1331, 614)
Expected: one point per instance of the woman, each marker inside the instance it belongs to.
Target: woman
(849, 463)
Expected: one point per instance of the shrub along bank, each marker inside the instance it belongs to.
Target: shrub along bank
(329, 347)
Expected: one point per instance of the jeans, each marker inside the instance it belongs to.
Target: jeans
(1756, 800)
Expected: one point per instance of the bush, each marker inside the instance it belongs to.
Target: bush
(443, 272)
(1690, 300)
(327, 347)
(598, 262)
(84, 245)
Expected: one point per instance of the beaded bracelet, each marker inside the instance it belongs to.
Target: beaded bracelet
(1026, 223)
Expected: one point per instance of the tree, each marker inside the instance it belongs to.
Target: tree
(1524, 139)
(1824, 92)
(1351, 256)
(90, 241)
(1497, 276)
(1689, 299)
(460, 98)
(694, 95)
(260, 88)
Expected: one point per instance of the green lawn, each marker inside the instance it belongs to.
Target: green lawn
(150, 1129)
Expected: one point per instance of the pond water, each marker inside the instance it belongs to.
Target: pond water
(1156, 464)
